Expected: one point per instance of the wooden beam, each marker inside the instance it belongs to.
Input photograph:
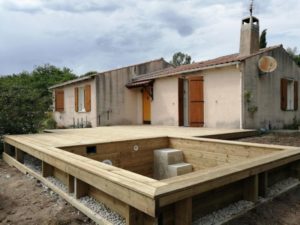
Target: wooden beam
(136, 217)
(47, 169)
(19, 155)
(81, 188)
(70, 184)
(263, 184)
(183, 212)
(251, 188)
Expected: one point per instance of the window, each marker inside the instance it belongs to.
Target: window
(289, 94)
(83, 99)
(59, 100)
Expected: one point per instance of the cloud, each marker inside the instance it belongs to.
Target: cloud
(100, 35)
(71, 6)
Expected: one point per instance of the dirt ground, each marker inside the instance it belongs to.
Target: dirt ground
(23, 200)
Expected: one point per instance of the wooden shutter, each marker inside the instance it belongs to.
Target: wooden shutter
(87, 98)
(295, 95)
(76, 99)
(196, 102)
(283, 89)
(59, 100)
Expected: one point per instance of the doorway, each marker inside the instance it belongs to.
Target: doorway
(146, 107)
(191, 102)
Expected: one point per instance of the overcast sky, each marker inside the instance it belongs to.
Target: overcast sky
(87, 35)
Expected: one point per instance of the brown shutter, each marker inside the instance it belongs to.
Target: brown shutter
(295, 95)
(59, 100)
(76, 99)
(87, 98)
(283, 89)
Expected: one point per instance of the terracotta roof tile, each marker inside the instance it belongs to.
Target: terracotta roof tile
(199, 65)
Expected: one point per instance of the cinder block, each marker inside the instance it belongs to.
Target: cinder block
(179, 169)
(163, 158)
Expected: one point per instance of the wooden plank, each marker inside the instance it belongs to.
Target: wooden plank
(251, 188)
(179, 188)
(81, 188)
(47, 169)
(19, 155)
(101, 176)
(183, 212)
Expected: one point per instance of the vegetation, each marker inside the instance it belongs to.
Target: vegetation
(263, 39)
(293, 52)
(25, 99)
(180, 58)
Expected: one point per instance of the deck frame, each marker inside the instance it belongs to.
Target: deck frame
(143, 200)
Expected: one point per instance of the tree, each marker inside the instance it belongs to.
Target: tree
(293, 52)
(25, 98)
(180, 58)
(263, 39)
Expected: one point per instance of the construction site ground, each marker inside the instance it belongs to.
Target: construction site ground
(24, 200)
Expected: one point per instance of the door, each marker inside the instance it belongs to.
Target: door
(146, 107)
(196, 102)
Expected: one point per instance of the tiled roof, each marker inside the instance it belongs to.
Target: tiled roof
(220, 61)
(139, 84)
(93, 75)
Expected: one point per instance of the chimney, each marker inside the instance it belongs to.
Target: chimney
(249, 42)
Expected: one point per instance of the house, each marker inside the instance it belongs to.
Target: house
(101, 99)
(255, 88)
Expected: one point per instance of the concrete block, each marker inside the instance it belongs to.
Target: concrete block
(179, 169)
(163, 158)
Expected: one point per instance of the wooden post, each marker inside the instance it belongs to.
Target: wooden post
(70, 183)
(47, 169)
(296, 169)
(80, 188)
(251, 188)
(183, 212)
(19, 155)
(136, 217)
(263, 184)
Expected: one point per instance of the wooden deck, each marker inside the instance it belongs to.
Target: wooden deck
(231, 170)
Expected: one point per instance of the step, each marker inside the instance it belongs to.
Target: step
(169, 155)
(179, 169)
(163, 158)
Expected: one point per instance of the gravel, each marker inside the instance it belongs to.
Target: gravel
(102, 210)
(33, 163)
(280, 186)
(219, 216)
(58, 183)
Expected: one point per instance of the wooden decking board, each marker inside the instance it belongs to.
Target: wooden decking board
(216, 163)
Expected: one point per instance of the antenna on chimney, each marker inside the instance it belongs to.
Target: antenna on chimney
(251, 7)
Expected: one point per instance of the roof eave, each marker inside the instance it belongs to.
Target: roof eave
(72, 82)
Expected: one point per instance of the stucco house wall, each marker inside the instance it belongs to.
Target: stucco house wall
(69, 116)
(222, 97)
(164, 106)
(118, 105)
(265, 91)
